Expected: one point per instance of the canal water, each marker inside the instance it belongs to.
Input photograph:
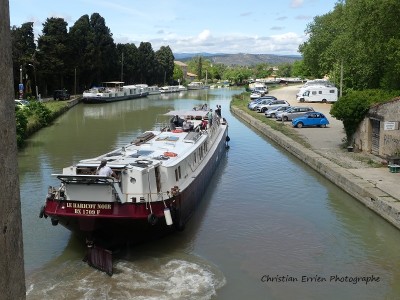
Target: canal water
(268, 227)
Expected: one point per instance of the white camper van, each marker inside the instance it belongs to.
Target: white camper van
(318, 94)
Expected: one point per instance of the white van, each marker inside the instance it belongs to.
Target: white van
(318, 94)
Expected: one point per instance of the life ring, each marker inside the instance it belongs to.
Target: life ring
(170, 154)
(177, 130)
(152, 219)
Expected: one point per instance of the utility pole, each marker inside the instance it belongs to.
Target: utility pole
(12, 278)
(122, 67)
(341, 79)
(36, 86)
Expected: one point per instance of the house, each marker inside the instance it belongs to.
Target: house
(379, 132)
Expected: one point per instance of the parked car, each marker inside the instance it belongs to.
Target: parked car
(311, 119)
(271, 113)
(21, 103)
(260, 99)
(256, 94)
(276, 103)
(262, 102)
(61, 95)
(293, 112)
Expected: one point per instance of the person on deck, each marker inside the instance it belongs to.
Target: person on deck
(104, 170)
(209, 117)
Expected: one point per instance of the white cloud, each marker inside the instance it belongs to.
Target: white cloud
(296, 3)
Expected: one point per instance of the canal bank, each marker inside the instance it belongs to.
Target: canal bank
(375, 187)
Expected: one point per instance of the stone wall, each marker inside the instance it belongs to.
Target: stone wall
(389, 138)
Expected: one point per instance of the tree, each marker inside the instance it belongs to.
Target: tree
(165, 62)
(12, 279)
(103, 50)
(131, 62)
(23, 49)
(178, 73)
(80, 35)
(147, 63)
(52, 46)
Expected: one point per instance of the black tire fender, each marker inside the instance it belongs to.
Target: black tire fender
(152, 219)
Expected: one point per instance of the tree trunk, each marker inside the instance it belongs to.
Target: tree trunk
(12, 277)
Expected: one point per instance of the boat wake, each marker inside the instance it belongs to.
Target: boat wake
(148, 278)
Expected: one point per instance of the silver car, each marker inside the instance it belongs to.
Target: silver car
(271, 113)
(293, 112)
(274, 104)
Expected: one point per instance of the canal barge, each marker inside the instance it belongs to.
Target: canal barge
(160, 178)
(112, 91)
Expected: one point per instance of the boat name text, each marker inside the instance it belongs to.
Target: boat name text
(88, 208)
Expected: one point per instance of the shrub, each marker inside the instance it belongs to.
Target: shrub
(353, 107)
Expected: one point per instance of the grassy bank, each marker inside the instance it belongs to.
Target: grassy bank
(35, 116)
(36, 121)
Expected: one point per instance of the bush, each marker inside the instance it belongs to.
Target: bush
(22, 123)
(353, 107)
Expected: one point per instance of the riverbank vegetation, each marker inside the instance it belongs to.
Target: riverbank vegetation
(35, 116)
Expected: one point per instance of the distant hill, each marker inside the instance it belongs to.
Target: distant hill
(240, 59)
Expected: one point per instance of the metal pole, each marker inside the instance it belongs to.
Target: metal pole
(34, 75)
(75, 84)
(341, 79)
(21, 91)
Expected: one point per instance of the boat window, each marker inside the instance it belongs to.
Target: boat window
(176, 175)
(179, 172)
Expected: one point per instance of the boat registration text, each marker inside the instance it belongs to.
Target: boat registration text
(88, 208)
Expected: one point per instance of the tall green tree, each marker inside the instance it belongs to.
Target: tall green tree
(165, 62)
(23, 50)
(148, 66)
(80, 35)
(53, 50)
(103, 50)
(130, 62)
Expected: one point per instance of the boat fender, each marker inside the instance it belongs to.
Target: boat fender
(152, 219)
(54, 222)
(227, 138)
(170, 154)
(167, 215)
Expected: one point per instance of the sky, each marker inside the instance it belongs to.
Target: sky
(213, 26)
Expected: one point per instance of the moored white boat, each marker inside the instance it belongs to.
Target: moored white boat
(114, 91)
(172, 89)
(154, 90)
(196, 85)
(160, 178)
